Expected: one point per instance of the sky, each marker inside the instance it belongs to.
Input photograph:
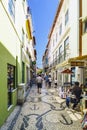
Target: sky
(43, 13)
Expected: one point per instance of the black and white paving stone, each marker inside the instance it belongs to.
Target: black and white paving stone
(45, 111)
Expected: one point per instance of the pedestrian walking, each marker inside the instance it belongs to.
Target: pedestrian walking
(55, 82)
(50, 80)
(46, 78)
(39, 81)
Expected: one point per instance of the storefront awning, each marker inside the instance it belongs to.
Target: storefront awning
(75, 61)
(28, 29)
(78, 61)
(84, 57)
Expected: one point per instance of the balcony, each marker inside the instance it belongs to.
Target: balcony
(63, 56)
(59, 59)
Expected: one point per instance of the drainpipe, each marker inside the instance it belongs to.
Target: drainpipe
(16, 71)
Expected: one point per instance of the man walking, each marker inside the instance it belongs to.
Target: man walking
(39, 83)
(50, 81)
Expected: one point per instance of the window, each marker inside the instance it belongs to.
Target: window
(85, 26)
(56, 37)
(66, 42)
(60, 53)
(11, 8)
(53, 42)
(60, 29)
(46, 60)
(66, 17)
(28, 10)
(66, 47)
(56, 54)
(53, 59)
(56, 57)
(23, 36)
(10, 82)
(60, 49)
(23, 3)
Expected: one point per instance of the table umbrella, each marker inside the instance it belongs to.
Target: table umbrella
(67, 71)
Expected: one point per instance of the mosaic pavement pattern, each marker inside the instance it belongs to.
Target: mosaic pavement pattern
(46, 111)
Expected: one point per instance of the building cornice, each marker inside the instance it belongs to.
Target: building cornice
(56, 16)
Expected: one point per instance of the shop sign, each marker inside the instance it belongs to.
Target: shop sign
(77, 63)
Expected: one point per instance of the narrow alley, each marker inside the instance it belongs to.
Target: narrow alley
(45, 111)
(43, 42)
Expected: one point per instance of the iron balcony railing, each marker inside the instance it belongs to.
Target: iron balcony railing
(59, 59)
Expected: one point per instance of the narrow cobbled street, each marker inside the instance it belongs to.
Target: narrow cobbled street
(45, 111)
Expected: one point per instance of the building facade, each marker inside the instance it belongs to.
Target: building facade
(16, 42)
(83, 32)
(66, 46)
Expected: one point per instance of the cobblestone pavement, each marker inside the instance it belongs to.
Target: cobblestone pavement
(45, 111)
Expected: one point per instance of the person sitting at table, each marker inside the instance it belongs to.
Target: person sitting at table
(77, 91)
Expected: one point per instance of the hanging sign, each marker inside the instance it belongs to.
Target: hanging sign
(77, 63)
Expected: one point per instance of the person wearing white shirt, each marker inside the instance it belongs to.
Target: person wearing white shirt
(55, 83)
(39, 83)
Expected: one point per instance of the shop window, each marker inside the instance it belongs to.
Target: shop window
(85, 26)
(73, 75)
(10, 82)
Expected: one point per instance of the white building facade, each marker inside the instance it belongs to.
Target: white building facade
(64, 44)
